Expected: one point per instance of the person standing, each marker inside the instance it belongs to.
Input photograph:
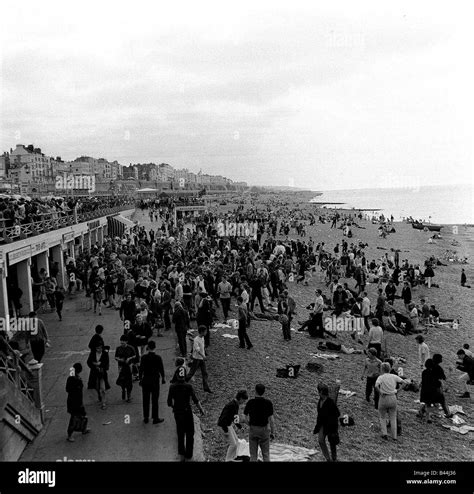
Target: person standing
(318, 311)
(380, 305)
(465, 363)
(428, 390)
(58, 301)
(125, 355)
(95, 341)
(199, 358)
(386, 386)
(339, 300)
(98, 362)
(225, 289)
(39, 339)
(371, 372)
(375, 337)
(181, 326)
(128, 309)
(98, 294)
(464, 278)
(179, 398)
(406, 294)
(151, 368)
(327, 423)
(365, 310)
(230, 417)
(423, 351)
(75, 404)
(242, 318)
(428, 275)
(259, 415)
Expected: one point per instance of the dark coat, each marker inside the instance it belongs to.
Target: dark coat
(181, 320)
(151, 368)
(74, 387)
(100, 372)
(328, 415)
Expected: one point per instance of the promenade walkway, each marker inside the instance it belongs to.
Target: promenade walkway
(118, 432)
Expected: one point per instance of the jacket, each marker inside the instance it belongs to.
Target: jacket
(151, 368)
(328, 415)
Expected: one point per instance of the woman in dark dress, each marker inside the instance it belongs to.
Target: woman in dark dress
(327, 423)
(125, 356)
(429, 390)
(98, 363)
(75, 405)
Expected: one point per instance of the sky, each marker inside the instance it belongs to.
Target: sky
(333, 95)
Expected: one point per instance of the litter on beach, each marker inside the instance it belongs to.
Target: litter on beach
(457, 420)
(347, 393)
(222, 326)
(464, 429)
(326, 356)
(456, 409)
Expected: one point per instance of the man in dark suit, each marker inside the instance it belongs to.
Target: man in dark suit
(151, 368)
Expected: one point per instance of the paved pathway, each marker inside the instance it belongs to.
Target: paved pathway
(118, 432)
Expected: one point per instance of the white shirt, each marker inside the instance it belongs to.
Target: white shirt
(423, 353)
(198, 348)
(365, 306)
(245, 296)
(387, 383)
(318, 305)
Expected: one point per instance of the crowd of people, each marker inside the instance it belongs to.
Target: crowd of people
(17, 210)
(180, 273)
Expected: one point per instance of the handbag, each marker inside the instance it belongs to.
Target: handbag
(79, 423)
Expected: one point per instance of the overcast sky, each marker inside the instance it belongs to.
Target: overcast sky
(340, 95)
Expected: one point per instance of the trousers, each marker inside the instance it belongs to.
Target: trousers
(243, 336)
(153, 393)
(388, 405)
(185, 431)
(259, 437)
(225, 302)
(199, 364)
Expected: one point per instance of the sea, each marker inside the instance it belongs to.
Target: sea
(446, 204)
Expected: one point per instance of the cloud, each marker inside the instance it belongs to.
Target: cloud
(312, 92)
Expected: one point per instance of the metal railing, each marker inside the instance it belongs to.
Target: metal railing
(51, 222)
(17, 372)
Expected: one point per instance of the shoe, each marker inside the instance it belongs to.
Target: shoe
(385, 437)
(129, 399)
(240, 346)
(158, 421)
(208, 391)
(86, 431)
(146, 421)
(249, 347)
(465, 395)
(70, 439)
